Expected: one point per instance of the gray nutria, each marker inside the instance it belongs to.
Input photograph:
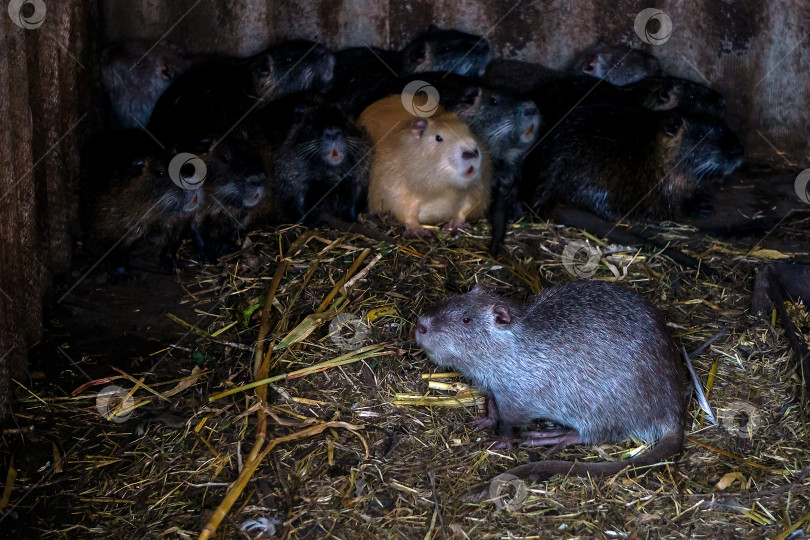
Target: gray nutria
(134, 75)
(590, 356)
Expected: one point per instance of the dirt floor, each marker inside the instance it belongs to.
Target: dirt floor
(367, 446)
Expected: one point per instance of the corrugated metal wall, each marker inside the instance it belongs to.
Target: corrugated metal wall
(45, 111)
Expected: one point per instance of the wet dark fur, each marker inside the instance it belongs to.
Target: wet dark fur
(446, 50)
(134, 75)
(236, 196)
(518, 76)
(365, 75)
(556, 98)
(145, 206)
(588, 355)
(211, 98)
(616, 64)
(307, 184)
(616, 160)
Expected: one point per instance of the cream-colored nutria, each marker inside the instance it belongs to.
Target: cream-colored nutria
(425, 170)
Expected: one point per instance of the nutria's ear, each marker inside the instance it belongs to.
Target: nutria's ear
(299, 113)
(673, 124)
(665, 94)
(166, 72)
(590, 65)
(418, 127)
(139, 163)
(502, 315)
(470, 94)
(265, 65)
(418, 51)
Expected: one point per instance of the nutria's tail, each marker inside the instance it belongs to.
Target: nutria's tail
(669, 445)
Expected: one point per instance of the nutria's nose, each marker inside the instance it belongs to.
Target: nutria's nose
(421, 328)
(530, 109)
(331, 134)
(467, 154)
(257, 180)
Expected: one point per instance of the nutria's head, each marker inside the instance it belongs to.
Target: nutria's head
(460, 330)
(236, 176)
(616, 64)
(292, 66)
(447, 50)
(667, 93)
(447, 146)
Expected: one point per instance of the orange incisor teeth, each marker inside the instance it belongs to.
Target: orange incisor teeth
(471, 170)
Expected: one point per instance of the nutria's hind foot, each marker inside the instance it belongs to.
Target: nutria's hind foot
(504, 442)
(417, 232)
(456, 225)
(556, 438)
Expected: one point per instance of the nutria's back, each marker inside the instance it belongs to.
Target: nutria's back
(620, 160)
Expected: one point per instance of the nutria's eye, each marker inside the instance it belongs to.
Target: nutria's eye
(691, 97)
(439, 138)
(465, 320)
(494, 101)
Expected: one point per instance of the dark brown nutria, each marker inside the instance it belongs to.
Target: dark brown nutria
(425, 170)
(446, 50)
(214, 96)
(146, 206)
(134, 74)
(518, 76)
(366, 74)
(360, 74)
(616, 64)
(658, 93)
(618, 161)
(322, 166)
(236, 196)
(590, 356)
